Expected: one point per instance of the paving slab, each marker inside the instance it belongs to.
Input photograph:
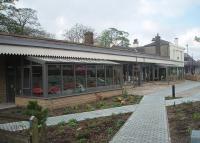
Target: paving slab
(149, 123)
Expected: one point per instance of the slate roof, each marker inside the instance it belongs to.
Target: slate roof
(47, 45)
(162, 42)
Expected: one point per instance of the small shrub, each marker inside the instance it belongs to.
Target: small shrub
(125, 93)
(89, 107)
(100, 104)
(84, 134)
(72, 123)
(196, 116)
(83, 140)
(67, 110)
(62, 123)
(34, 109)
(116, 105)
(109, 130)
(119, 123)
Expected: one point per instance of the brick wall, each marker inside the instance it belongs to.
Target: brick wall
(2, 80)
(66, 101)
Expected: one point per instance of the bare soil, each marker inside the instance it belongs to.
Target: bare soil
(103, 103)
(17, 113)
(183, 119)
(99, 130)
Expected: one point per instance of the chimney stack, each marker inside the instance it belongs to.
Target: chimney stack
(176, 41)
(135, 43)
(88, 38)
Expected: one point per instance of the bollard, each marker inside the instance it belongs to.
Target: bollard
(173, 91)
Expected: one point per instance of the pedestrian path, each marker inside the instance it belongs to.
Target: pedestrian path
(149, 122)
(15, 126)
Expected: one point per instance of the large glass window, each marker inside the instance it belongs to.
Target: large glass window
(68, 79)
(37, 89)
(109, 75)
(80, 78)
(54, 79)
(91, 76)
(100, 75)
(117, 75)
(26, 82)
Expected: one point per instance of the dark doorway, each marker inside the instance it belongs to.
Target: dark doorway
(13, 72)
(10, 83)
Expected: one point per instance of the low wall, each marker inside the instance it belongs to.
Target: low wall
(59, 102)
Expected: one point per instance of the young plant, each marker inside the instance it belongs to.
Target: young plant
(119, 123)
(72, 123)
(196, 116)
(125, 93)
(34, 109)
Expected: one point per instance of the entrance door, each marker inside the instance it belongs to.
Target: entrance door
(11, 83)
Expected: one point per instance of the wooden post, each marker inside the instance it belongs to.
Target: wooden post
(34, 129)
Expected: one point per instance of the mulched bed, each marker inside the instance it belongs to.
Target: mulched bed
(183, 119)
(101, 103)
(171, 98)
(99, 130)
(17, 113)
(12, 115)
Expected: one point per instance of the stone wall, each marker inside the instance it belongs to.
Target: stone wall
(54, 103)
(2, 80)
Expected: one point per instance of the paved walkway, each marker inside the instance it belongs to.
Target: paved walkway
(149, 122)
(15, 126)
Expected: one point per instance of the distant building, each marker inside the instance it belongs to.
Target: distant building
(164, 49)
(191, 66)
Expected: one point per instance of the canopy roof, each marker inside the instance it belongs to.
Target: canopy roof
(53, 60)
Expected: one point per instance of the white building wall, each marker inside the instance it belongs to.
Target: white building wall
(176, 52)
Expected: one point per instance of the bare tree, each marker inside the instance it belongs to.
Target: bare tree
(24, 17)
(76, 33)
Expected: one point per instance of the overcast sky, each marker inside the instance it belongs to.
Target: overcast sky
(143, 19)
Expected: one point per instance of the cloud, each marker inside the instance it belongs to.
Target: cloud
(150, 26)
(188, 38)
(143, 19)
(166, 8)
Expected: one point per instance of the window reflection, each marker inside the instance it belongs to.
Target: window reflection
(117, 72)
(80, 71)
(100, 75)
(91, 76)
(37, 81)
(68, 79)
(109, 75)
(54, 79)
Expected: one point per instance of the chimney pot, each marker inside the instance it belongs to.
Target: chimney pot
(88, 38)
(176, 41)
(135, 43)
